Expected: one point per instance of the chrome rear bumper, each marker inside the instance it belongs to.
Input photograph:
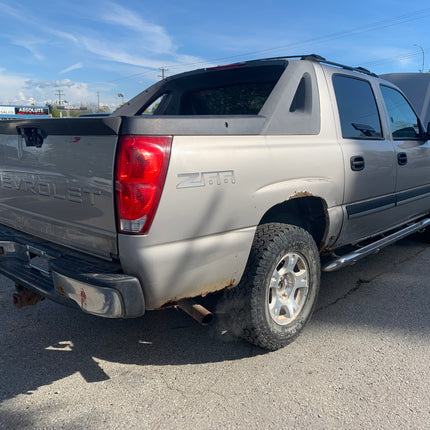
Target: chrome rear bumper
(95, 286)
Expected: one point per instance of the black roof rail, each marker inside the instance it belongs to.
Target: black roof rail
(319, 59)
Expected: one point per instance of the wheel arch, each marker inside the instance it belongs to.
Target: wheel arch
(305, 211)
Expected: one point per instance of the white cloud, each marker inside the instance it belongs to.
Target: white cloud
(153, 36)
(121, 53)
(72, 67)
(13, 12)
(127, 39)
(63, 35)
(122, 41)
(16, 89)
(32, 46)
(383, 59)
(64, 83)
(10, 87)
(115, 52)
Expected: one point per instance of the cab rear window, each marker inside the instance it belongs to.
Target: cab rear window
(241, 90)
(241, 99)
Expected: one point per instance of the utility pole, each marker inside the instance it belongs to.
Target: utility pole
(163, 69)
(422, 52)
(59, 94)
(60, 102)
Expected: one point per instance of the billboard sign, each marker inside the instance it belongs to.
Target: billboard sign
(23, 112)
(31, 110)
(7, 110)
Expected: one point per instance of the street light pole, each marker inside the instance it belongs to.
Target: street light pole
(422, 51)
(121, 96)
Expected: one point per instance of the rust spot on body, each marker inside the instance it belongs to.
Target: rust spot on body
(60, 290)
(209, 289)
(298, 194)
(325, 248)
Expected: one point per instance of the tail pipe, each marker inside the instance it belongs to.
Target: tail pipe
(196, 311)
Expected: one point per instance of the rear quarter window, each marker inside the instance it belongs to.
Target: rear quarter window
(358, 112)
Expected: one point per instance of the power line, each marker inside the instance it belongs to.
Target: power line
(390, 59)
(357, 30)
(332, 36)
(401, 19)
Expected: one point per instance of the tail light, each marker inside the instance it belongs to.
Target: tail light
(141, 168)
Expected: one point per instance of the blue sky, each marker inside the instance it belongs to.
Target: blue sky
(109, 47)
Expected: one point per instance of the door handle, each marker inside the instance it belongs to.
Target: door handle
(357, 163)
(402, 158)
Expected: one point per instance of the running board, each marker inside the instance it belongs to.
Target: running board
(373, 248)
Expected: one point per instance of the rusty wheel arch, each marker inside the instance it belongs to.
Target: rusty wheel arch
(303, 210)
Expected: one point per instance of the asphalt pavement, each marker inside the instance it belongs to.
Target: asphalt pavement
(362, 362)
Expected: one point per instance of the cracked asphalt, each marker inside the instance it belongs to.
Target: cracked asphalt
(362, 362)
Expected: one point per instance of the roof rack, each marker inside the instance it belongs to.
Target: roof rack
(319, 59)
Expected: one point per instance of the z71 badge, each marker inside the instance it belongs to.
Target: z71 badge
(202, 179)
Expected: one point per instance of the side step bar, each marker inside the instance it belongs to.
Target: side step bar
(373, 248)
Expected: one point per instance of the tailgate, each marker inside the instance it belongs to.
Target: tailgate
(56, 181)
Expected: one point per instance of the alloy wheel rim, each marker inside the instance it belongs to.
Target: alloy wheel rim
(288, 288)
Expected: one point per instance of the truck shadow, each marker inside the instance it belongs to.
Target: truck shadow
(45, 343)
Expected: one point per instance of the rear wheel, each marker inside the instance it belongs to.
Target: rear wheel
(278, 291)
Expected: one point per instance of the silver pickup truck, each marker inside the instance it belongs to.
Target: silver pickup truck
(247, 178)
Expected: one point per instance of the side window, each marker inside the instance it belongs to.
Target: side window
(403, 121)
(359, 116)
(302, 101)
(152, 108)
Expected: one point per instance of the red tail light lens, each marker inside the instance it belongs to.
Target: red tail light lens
(141, 168)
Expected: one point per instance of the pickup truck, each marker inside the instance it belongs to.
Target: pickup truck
(248, 178)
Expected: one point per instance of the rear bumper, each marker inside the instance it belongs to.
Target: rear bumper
(95, 286)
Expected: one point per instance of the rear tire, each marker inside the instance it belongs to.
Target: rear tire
(278, 291)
